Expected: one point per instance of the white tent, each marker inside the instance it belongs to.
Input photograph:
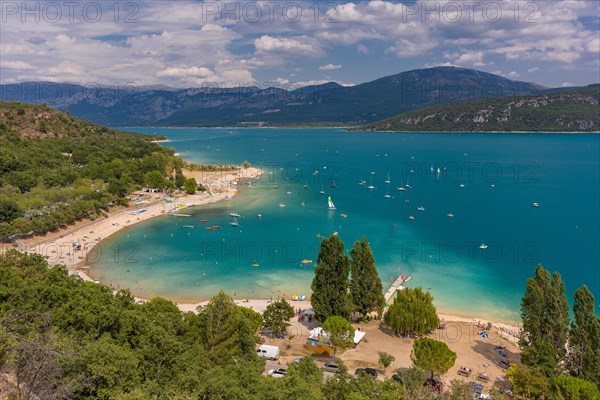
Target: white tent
(320, 333)
(358, 336)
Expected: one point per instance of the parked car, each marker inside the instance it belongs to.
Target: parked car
(277, 373)
(330, 367)
(476, 387)
(368, 371)
(396, 378)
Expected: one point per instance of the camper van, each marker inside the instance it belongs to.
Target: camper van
(268, 352)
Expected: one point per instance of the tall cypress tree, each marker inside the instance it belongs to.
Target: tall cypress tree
(584, 338)
(545, 316)
(365, 285)
(330, 283)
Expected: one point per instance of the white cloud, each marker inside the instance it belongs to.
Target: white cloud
(15, 65)
(513, 74)
(330, 67)
(175, 72)
(534, 69)
(282, 81)
(567, 84)
(362, 49)
(300, 46)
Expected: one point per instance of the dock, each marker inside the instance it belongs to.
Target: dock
(397, 285)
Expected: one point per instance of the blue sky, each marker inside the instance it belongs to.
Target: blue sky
(289, 43)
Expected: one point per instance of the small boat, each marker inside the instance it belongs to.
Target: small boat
(302, 204)
(235, 215)
(315, 172)
(483, 246)
(209, 228)
(411, 218)
(407, 201)
(451, 215)
(536, 205)
(281, 205)
(387, 180)
(188, 226)
(371, 187)
(216, 227)
(333, 185)
(387, 195)
(234, 222)
(289, 191)
(462, 185)
(255, 264)
(330, 204)
(421, 208)
(362, 182)
(344, 215)
(203, 221)
(305, 261)
(259, 215)
(306, 185)
(439, 171)
(401, 189)
(322, 190)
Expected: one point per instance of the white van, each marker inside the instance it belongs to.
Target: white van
(268, 352)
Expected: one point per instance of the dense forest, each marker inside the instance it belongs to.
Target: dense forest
(55, 169)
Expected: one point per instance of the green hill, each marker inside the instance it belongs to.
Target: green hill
(573, 110)
(56, 169)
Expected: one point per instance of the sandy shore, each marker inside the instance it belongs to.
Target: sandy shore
(62, 247)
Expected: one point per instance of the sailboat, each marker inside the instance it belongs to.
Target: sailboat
(289, 191)
(330, 204)
(362, 182)
(387, 180)
(234, 222)
(306, 185)
(371, 185)
(322, 190)
(387, 195)
(333, 185)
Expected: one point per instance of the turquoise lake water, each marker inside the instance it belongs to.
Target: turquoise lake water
(489, 182)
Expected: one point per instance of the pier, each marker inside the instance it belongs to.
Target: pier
(397, 285)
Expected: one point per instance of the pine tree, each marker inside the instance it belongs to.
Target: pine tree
(366, 289)
(545, 316)
(330, 283)
(584, 338)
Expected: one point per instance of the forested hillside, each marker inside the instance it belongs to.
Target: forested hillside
(55, 169)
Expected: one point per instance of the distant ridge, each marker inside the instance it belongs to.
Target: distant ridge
(570, 110)
(324, 104)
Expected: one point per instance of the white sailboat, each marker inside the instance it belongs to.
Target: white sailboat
(387, 180)
(387, 195)
(362, 182)
(330, 204)
(322, 189)
(371, 187)
(234, 222)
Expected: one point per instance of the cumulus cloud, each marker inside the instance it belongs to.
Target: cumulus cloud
(330, 67)
(298, 46)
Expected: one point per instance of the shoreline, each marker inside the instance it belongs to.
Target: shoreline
(90, 234)
(62, 247)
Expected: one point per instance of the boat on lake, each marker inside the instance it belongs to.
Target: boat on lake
(330, 204)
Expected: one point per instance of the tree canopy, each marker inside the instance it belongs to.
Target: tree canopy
(545, 316)
(366, 290)
(277, 315)
(330, 282)
(412, 312)
(341, 332)
(432, 355)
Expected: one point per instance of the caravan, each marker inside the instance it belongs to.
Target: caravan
(268, 352)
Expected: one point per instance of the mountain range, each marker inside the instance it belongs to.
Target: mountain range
(324, 104)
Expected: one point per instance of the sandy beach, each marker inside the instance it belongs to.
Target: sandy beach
(74, 245)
